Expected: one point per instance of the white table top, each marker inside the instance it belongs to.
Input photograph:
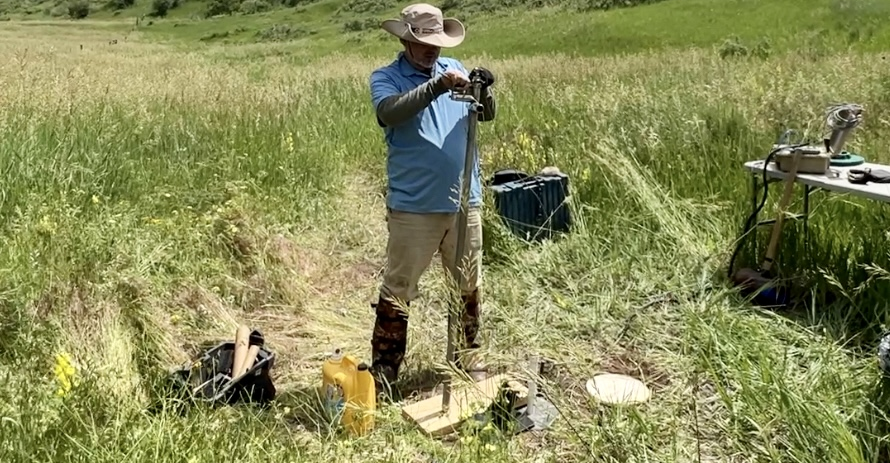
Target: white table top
(840, 184)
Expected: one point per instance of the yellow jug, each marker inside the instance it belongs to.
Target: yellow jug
(349, 392)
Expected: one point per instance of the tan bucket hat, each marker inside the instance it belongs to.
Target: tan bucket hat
(424, 23)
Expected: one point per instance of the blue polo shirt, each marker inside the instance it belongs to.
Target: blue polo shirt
(426, 153)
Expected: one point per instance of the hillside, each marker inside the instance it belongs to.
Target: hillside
(587, 27)
(75, 9)
(162, 182)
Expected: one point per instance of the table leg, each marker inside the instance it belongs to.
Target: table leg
(754, 185)
(753, 210)
(806, 218)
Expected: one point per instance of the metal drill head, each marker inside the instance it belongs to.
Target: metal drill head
(842, 120)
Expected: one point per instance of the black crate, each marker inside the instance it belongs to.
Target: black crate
(209, 377)
(534, 207)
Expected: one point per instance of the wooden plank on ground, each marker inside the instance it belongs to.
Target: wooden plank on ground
(466, 399)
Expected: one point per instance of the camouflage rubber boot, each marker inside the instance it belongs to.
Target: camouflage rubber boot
(469, 319)
(388, 344)
(469, 359)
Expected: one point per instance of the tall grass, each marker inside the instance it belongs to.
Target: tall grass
(153, 199)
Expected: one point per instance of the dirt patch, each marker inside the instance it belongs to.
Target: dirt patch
(269, 290)
(71, 304)
(566, 383)
(632, 363)
(303, 260)
(323, 274)
(206, 311)
(67, 298)
(571, 384)
(362, 271)
(256, 293)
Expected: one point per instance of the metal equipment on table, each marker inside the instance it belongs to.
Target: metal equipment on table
(841, 120)
(793, 160)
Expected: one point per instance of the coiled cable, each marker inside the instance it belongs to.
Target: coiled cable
(844, 116)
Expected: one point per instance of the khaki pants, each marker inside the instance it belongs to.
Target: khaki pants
(414, 240)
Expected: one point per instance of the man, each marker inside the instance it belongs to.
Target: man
(426, 136)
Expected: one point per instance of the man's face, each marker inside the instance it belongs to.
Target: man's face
(422, 55)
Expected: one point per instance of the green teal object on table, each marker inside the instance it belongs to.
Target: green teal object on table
(847, 159)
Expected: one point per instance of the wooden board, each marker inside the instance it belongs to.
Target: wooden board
(466, 399)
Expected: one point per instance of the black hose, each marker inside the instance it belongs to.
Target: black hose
(749, 224)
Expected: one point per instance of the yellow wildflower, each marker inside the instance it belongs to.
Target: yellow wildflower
(64, 371)
(46, 226)
(525, 142)
(289, 142)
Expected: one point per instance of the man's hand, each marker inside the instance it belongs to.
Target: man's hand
(484, 75)
(454, 79)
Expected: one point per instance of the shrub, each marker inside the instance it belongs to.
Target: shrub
(294, 3)
(58, 11)
(449, 5)
(159, 8)
(611, 4)
(120, 4)
(358, 25)
(367, 6)
(281, 33)
(254, 6)
(78, 9)
(214, 36)
(733, 47)
(219, 7)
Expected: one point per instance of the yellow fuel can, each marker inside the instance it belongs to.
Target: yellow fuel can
(349, 392)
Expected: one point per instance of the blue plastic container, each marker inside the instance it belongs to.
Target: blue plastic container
(534, 207)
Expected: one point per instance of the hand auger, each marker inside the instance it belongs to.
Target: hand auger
(480, 79)
(471, 93)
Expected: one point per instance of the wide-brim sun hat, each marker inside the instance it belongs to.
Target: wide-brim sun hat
(424, 23)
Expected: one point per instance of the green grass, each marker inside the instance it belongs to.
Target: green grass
(159, 191)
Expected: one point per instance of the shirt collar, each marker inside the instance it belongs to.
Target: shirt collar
(408, 70)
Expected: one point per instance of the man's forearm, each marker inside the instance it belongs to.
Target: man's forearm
(399, 108)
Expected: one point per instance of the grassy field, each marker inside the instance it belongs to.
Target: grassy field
(160, 190)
